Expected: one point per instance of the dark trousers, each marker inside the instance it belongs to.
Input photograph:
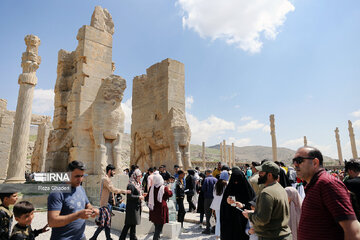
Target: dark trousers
(207, 210)
(98, 231)
(191, 204)
(158, 229)
(201, 218)
(286, 237)
(125, 230)
(181, 212)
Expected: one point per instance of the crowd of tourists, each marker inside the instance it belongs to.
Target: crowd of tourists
(263, 200)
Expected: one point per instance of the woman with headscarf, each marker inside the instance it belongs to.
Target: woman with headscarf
(295, 202)
(232, 222)
(219, 189)
(133, 206)
(157, 197)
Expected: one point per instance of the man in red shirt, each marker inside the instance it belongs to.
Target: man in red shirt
(326, 211)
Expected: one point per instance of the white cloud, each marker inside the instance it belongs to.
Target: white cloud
(356, 113)
(204, 130)
(238, 142)
(266, 128)
(127, 108)
(43, 102)
(188, 102)
(237, 106)
(246, 118)
(238, 22)
(252, 125)
(294, 143)
(356, 124)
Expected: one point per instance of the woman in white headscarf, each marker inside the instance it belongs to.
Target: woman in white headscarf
(295, 202)
(133, 206)
(157, 197)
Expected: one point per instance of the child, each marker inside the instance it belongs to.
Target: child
(7, 199)
(24, 214)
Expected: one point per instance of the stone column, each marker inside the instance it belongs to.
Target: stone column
(221, 152)
(224, 148)
(233, 154)
(273, 137)
(229, 157)
(305, 141)
(337, 136)
(352, 140)
(203, 155)
(20, 138)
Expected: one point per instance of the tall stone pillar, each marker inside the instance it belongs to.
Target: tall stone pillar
(229, 157)
(233, 154)
(20, 138)
(224, 148)
(273, 137)
(203, 155)
(305, 141)
(352, 140)
(337, 136)
(221, 152)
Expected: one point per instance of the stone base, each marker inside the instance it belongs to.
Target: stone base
(92, 185)
(170, 230)
(15, 180)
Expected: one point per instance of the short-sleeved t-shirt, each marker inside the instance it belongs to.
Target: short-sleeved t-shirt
(68, 203)
(327, 202)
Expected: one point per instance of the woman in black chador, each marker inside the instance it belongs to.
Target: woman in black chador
(232, 222)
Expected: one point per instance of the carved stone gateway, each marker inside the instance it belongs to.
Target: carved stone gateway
(160, 133)
(88, 119)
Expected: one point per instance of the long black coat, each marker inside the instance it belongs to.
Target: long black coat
(232, 222)
(133, 206)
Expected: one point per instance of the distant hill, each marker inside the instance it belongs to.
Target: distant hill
(248, 154)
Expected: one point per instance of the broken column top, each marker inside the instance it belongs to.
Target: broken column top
(32, 43)
(3, 104)
(102, 20)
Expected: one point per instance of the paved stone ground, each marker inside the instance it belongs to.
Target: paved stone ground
(193, 230)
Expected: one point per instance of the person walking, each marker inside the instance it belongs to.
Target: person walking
(133, 206)
(107, 188)
(180, 194)
(295, 202)
(190, 189)
(326, 211)
(157, 197)
(208, 188)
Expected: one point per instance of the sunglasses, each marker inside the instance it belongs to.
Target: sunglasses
(79, 176)
(299, 160)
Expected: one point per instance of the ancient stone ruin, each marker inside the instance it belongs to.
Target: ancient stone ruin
(160, 133)
(88, 119)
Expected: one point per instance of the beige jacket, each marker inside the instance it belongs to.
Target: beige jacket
(106, 188)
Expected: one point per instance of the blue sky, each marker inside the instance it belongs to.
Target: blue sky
(244, 60)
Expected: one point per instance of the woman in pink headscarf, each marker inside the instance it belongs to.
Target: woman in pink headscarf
(295, 202)
(157, 197)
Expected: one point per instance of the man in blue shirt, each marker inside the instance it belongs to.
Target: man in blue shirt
(208, 188)
(67, 211)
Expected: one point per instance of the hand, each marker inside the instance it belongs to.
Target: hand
(246, 213)
(251, 231)
(85, 213)
(141, 198)
(230, 201)
(94, 212)
(239, 204)
(45, 228)
(127, 191)
(145, 194)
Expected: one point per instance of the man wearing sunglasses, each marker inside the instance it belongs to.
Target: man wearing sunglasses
(326, 211)
(67, 211)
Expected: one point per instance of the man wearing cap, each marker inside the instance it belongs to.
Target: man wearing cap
(67, 211)
(271, 215)
(326, 212)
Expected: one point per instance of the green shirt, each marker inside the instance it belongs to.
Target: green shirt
(271, 216)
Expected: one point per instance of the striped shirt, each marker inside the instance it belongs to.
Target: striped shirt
(327, 202)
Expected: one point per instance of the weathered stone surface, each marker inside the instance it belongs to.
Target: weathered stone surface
(160, 133)
(88, 119)
(352, 140)
(102, 20)
(27, 80)
(273, 137)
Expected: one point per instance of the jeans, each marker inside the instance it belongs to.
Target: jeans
(217, 227)
(98, 231)
(125, 230)
(158, 229)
